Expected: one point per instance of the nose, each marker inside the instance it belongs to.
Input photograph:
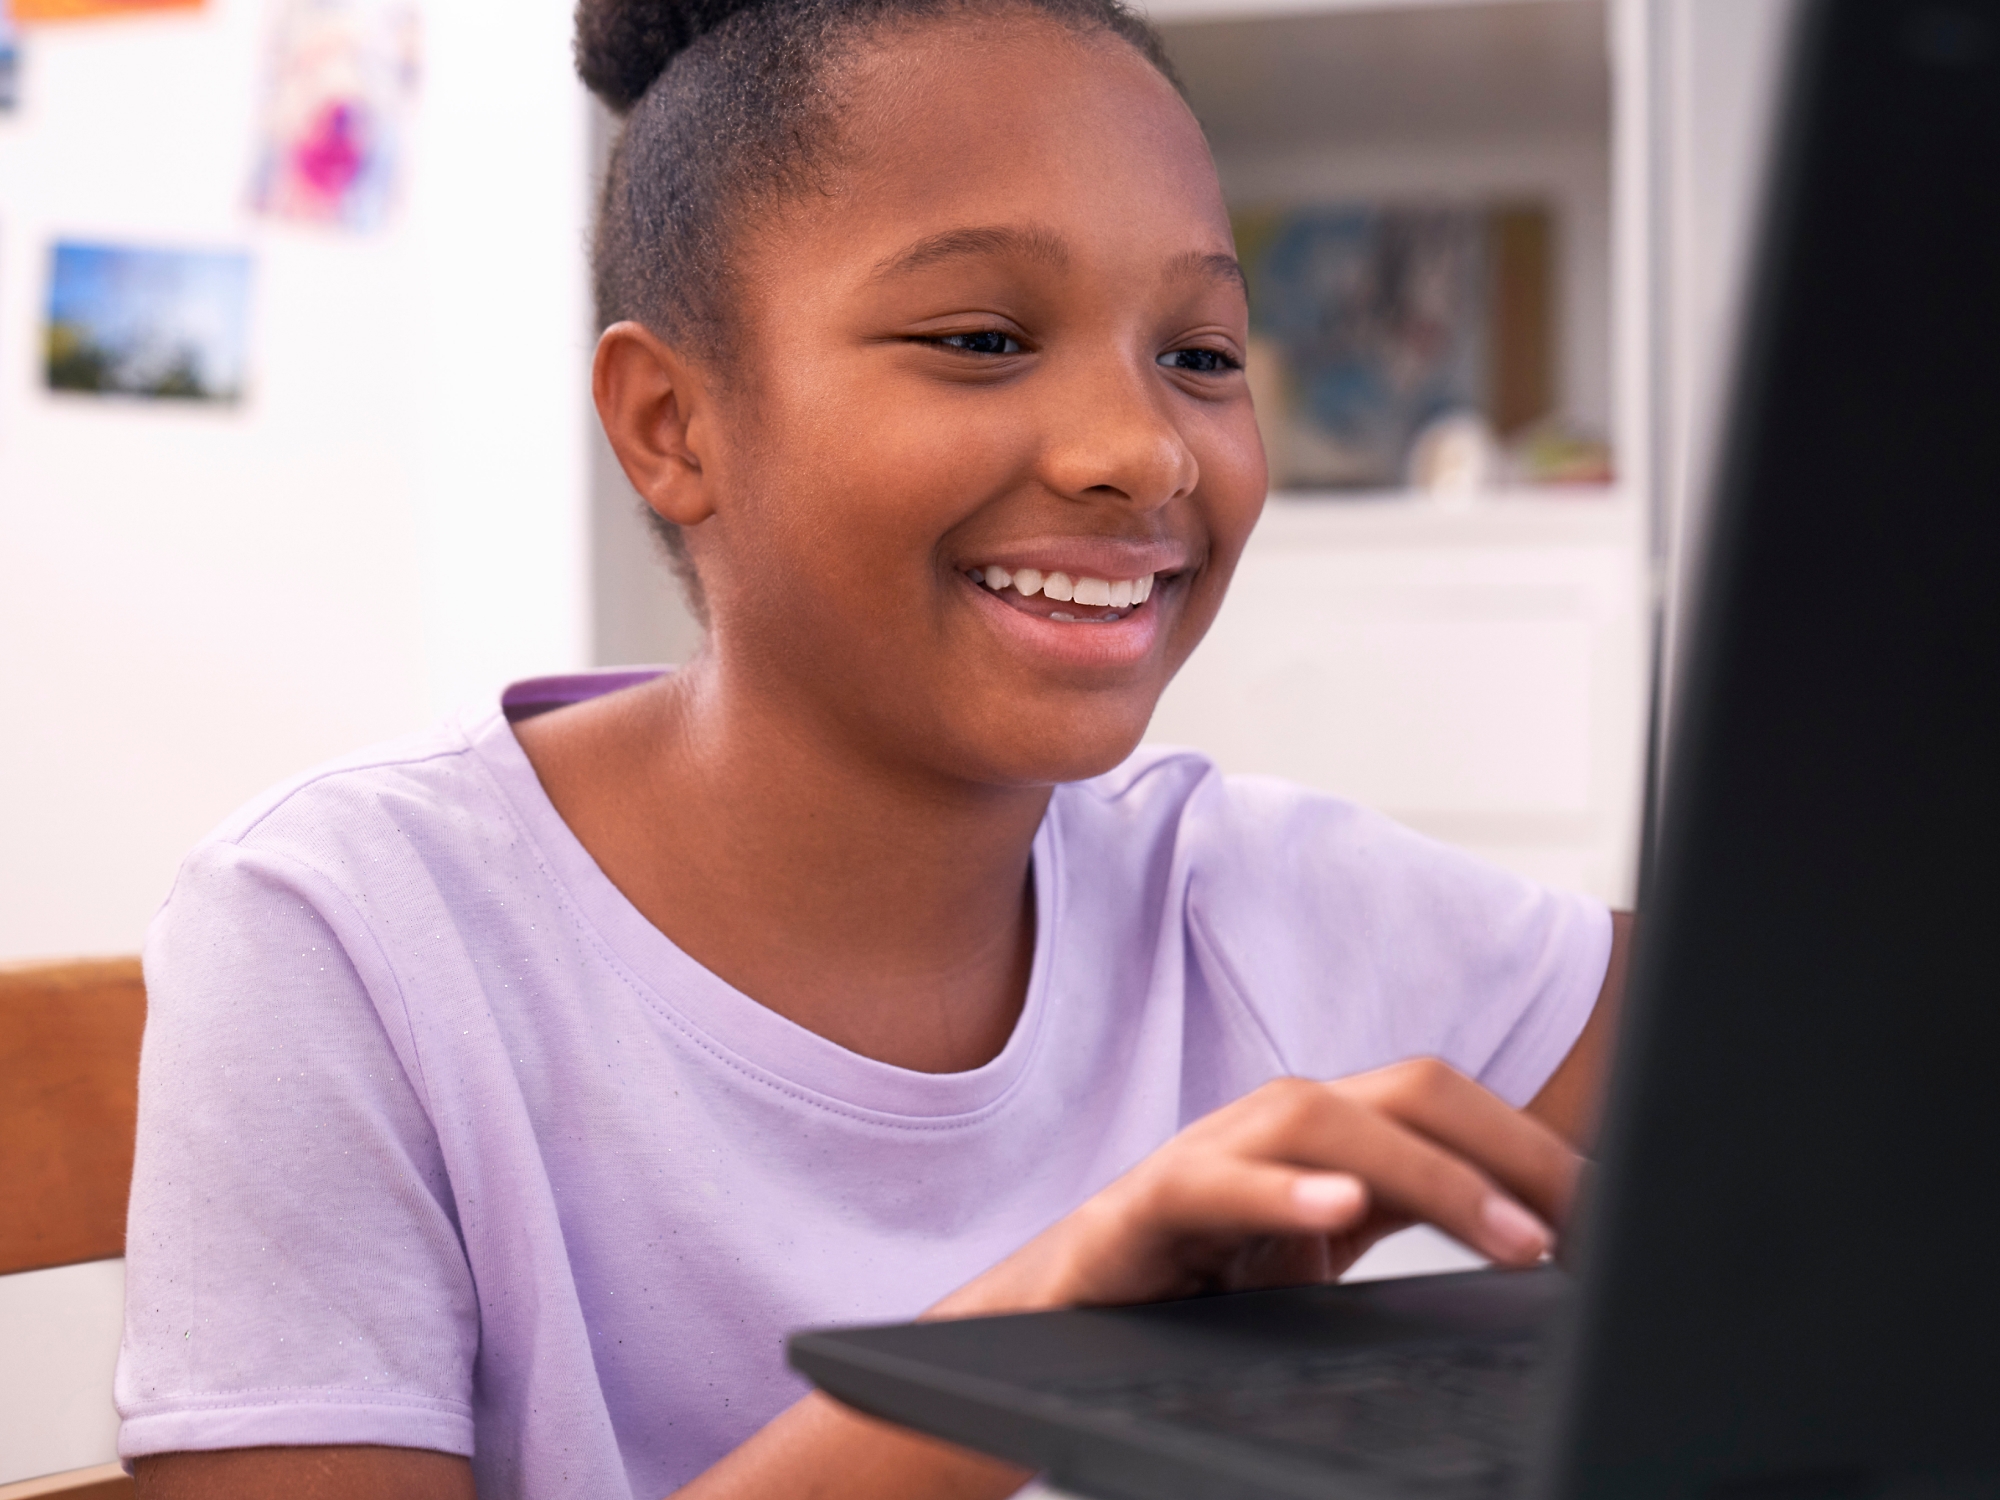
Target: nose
(1112, 436)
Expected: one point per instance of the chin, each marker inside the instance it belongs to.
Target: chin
(1073, 749)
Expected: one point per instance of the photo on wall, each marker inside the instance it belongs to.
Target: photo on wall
(342, 80)
(86, 10)
(158, 323)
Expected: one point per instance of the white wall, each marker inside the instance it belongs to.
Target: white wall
(196, 602)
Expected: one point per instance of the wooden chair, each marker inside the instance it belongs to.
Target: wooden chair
(100, 1482)
(69, 1099)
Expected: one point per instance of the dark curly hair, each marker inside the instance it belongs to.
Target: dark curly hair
(729, 104)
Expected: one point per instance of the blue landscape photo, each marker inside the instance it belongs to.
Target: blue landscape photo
(132, 321)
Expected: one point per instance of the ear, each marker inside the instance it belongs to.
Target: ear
(656, 413)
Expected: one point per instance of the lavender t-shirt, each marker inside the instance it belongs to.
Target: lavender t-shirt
(443, 1145)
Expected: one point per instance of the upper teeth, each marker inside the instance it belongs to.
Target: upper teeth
(1114, 593)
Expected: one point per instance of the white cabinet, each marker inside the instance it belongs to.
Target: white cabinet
(1478, 674)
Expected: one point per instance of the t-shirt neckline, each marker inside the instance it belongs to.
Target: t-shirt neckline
(712, 1014)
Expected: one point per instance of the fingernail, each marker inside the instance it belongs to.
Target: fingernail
(1512, 1233)
(1329, 1198)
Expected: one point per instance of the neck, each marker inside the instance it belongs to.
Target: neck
(885, 908)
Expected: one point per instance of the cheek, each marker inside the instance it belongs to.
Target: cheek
(840, 503)
(878, 477)
(910, 421)
(810, 469)
(1231, 454)
(1234, 482)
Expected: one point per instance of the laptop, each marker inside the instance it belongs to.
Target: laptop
(1787, 1273)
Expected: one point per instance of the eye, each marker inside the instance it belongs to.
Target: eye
(1200, 361)
(986, 341)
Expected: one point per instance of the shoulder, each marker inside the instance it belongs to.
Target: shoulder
(420, 784)
(336, 910)
(1353, 940)
(1264, 874)
(368, 843)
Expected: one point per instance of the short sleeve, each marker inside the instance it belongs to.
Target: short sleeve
(1356, 942)
(294, 1273)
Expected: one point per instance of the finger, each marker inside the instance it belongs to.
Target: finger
(1316, 1126)
(1515, 1149)
(1226, 1195)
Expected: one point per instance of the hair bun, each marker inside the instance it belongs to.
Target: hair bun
(623, 45)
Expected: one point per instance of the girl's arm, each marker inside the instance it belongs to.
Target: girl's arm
(330, 1473)
(1568, 1102)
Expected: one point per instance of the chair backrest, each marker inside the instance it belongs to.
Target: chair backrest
(104, 1482)
(69, 1107)
(69, 1101)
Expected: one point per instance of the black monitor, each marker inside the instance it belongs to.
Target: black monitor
(1797, 1249)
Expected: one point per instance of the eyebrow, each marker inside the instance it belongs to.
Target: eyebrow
(997, 239)
(1038, 245)
(1214, 266)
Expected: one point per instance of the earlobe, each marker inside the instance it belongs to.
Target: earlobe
(651, 401)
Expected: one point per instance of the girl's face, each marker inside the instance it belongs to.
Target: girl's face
(1003, 345)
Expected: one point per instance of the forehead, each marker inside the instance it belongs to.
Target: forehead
(1016, 119)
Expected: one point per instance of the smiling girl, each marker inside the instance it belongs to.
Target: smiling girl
(508, 1093)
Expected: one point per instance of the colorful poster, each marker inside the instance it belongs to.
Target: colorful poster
(1399, 344)
(132, 321)
(84, 10)
(343, 79)
(1376, 317)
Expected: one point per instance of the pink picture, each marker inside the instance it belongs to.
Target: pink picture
(343, 79)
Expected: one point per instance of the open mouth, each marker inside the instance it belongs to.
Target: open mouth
(1060, 597)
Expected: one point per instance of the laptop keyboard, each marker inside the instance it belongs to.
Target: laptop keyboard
(1429, 1420)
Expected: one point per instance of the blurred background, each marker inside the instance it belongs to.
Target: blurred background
(296, 450)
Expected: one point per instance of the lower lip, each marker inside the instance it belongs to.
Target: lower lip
(1097, 643)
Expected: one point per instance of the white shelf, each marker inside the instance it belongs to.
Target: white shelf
(1582, 515)
(1166, 12)
(1339, 75)
(1477, 672)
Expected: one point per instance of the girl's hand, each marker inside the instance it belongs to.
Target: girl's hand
(1290, 1185)
(1287, 1185)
